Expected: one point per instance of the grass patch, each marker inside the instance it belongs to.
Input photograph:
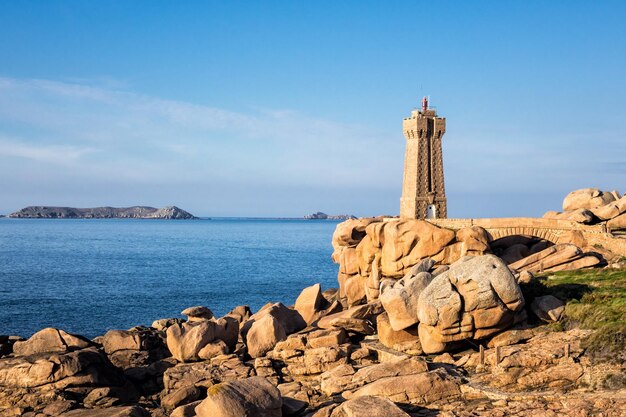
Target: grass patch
(596, 299)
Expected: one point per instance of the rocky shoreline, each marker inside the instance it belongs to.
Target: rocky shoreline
(426, 322)
(135, 212)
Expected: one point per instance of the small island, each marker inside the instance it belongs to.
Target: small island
(135, 212)
(323, 216)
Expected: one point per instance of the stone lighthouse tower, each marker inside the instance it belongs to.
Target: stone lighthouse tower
(423, 191)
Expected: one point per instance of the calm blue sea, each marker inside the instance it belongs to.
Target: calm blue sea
(88, 276)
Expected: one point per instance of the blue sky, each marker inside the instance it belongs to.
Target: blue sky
(286, 108)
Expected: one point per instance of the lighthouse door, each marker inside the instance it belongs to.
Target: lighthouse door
(431, 212)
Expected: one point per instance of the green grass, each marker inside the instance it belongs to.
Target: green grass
(596, 299)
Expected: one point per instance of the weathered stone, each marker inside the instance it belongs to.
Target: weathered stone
(511, 337)
(478, 296)
(365, 312)
(586, 198)
(227, 330)
(310, 303)
(185, 341)
(585, 261)
(163, 324)
(264, 367)
(400, 301)
(130, 411)
(475, 240)
(366, 253)
(181, 396)
(58, 407)
(525, 277)
(398, 367)
(617, 223)
(248, 397)
(187, 410)
(350, 232)
(405, 340)
(240, 313)
(133, 348)
(318, 360)
(420, 389)
(213, 349)
(369, 406)
(263, 336)
(205, 374)
(548, 308)
(50, 340)
(581, 215)
(354, 325)
(548, 258)
(408, 241)
(289, 319)
(295, 398)
(514, 253)
(197, 313)
(106, 397)
(326, 337)
(337, 380)
(354, 289)
(88, 367)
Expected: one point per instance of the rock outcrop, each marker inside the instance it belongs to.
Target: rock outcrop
(406, 288)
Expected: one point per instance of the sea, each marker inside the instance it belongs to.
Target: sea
(88, 276)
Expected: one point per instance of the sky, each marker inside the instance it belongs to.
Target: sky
(280, 109)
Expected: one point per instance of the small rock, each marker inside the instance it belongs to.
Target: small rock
(548, 308)
(197, 313)
(263, 336)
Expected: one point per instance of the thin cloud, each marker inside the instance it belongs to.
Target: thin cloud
(49, 154)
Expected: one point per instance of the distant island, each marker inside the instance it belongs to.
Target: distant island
(323, 216)
(135, 212)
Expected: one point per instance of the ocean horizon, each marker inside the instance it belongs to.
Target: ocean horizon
(88, 276)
